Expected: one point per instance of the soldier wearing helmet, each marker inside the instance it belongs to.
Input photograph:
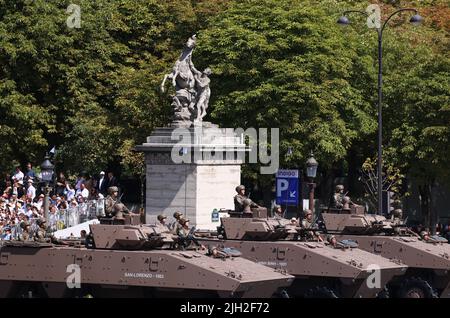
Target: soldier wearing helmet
(277, 212)
(113, 207)
(26, 235)
(111, 200)
(162, 222)
(337, 198)
(175, 225)
(241, 202)
(43, 236)
(309, 226)
(162, 219)
(307, 221)
(186, 238)
(425, 236)
(332, 240)
(397, 214)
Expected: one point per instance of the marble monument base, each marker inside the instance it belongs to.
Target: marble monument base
(192, 170)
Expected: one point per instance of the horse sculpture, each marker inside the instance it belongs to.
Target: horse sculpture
(191, 87)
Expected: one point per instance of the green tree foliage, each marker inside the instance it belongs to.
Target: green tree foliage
(285, 64)
(93, 91)
(89, 89)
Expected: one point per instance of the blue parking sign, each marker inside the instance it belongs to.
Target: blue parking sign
(287, 185)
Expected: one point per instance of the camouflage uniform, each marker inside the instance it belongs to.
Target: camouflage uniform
(306, 224)
(336, 200)
(164, 227)
(309, 225)
(187, 241)
(277, 212)
(175, 225)
(42, 236)
(110, 201)
(25, 235)
(241, 202)
(113, 208)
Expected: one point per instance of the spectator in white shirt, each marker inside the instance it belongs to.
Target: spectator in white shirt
(83, 192)
(18, 176)
(69, 192)
(31, 190)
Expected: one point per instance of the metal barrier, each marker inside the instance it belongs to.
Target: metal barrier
(65, 218)
(75, 215)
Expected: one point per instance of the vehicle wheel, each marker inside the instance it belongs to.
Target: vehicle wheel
(384, 293)
(320, 292)
(416, 287)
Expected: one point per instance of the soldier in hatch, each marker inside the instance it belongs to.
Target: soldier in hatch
(337, 198)
(26, 232)
(175, 225)
(309, 225)
(425, 236)
(332, 240)
(162, 222)
(42, 236)
(241, 202)
(187, 240)
(277, 212)
(113, 207)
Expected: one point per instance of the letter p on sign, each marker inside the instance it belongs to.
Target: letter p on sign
(282, 185)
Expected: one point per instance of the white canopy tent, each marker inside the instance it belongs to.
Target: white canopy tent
(75, 230)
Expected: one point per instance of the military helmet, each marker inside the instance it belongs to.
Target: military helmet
(24, 225)
(307, 212)
(423, 233)
(111, 190)
(41, 221)
(161, 217)
(397, 213)
(330, 237)
(277, 206)
(177, 215)
(239, 188)
(339, 187)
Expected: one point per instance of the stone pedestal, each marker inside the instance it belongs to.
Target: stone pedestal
(192, 170)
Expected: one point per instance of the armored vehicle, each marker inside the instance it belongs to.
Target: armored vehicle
(320, 269)
(127, 259)
(428, 273)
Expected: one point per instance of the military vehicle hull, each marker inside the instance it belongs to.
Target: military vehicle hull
(428, 263)
(43, 270)
(428, 273)
(320, 269)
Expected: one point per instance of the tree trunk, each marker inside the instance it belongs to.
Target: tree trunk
(425, 207)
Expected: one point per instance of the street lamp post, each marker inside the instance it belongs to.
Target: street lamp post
(46, 176)
(416, 19)
(311, 171)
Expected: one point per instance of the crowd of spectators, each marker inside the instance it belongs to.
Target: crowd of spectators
(22, 197)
